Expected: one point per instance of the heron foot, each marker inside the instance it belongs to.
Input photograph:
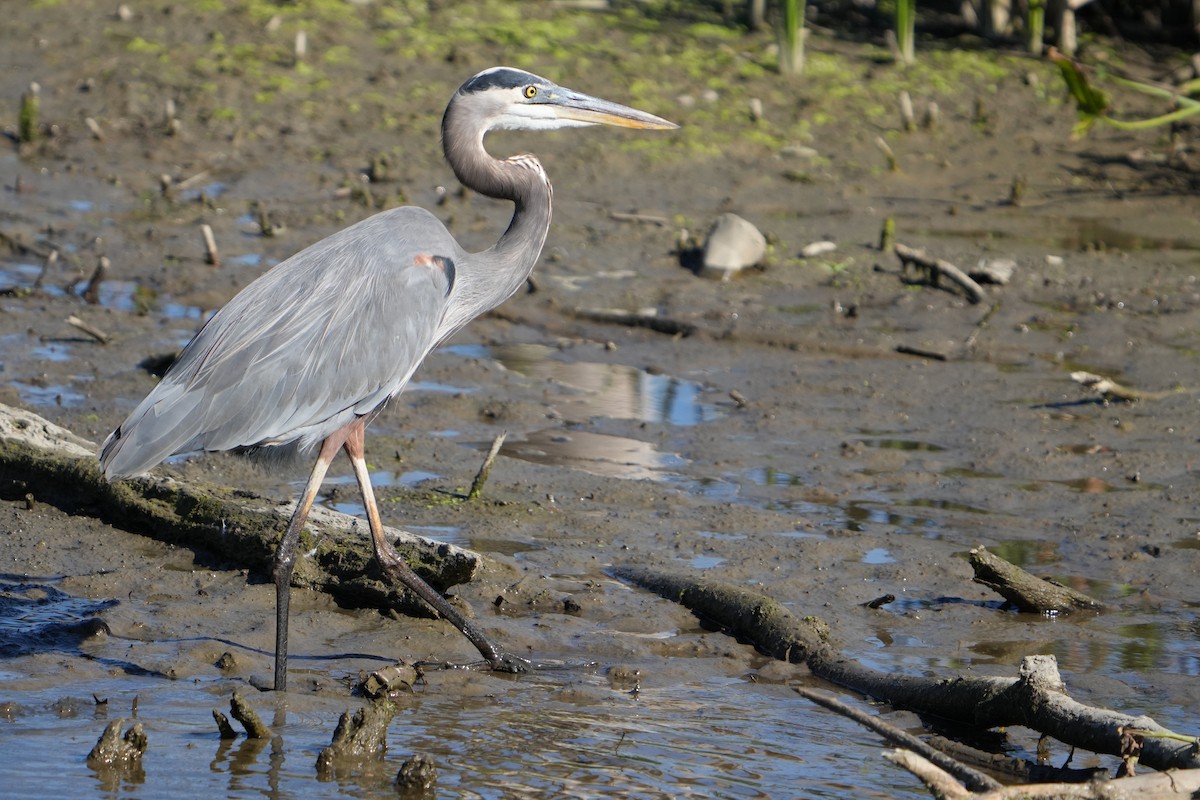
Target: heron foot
(508, 663)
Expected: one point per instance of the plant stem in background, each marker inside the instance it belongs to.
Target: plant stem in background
(27, 119)
(906, 17)
(1092, 105)
(1037, 25)
(791, 38)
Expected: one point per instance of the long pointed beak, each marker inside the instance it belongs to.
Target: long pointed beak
(589, 110)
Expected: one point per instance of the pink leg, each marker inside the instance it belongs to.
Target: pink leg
(396, 568)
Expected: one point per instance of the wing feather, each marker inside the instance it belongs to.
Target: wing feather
(329, 334)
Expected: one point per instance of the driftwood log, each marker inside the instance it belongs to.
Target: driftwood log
(42, 462)
(1037, 698)
(1027, 592)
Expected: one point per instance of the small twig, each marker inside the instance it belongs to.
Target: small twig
(935, 268)
(1111, 390)
(91, 292)
(486, 468)
(1016, 193)
(301, 46)
(94, 127)
(932, 116)
(916, 351)
(186, 182)
(211, 256)
(969, 342)
(887, 234)
(649, 219)
(653, 322)
(97, 334)
(47, 265)
(907, 116)
(888, 153)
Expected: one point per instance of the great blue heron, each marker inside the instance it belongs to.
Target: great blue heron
(311, 351)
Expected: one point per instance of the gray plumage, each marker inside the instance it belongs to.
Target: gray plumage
(285, 362)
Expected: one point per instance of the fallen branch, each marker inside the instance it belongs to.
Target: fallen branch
(970, 777)
(1027, 592)
(1036, 698)
(934, 269)
(54, 466)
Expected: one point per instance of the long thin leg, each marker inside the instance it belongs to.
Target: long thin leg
(285, 556)
(396, 568)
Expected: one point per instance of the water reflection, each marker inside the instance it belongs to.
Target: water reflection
(616, 391)
(598, 454)
(878, 555)
(52, 395)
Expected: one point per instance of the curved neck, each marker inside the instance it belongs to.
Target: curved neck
(498, 272)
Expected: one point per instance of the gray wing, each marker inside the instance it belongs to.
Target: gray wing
(325, 336)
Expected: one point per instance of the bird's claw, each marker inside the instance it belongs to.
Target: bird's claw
(507, 662)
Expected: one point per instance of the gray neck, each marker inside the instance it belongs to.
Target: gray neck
(489, 278)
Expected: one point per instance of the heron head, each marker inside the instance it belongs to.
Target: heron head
(510, 98)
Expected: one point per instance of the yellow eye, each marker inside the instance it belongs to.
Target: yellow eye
(530, 92)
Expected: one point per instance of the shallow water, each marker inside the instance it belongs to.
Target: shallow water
(537, 737)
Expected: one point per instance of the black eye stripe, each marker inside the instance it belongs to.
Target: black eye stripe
(497, 79)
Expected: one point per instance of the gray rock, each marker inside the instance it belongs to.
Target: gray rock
(733, 244)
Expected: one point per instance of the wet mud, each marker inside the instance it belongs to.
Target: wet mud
(787, 445)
